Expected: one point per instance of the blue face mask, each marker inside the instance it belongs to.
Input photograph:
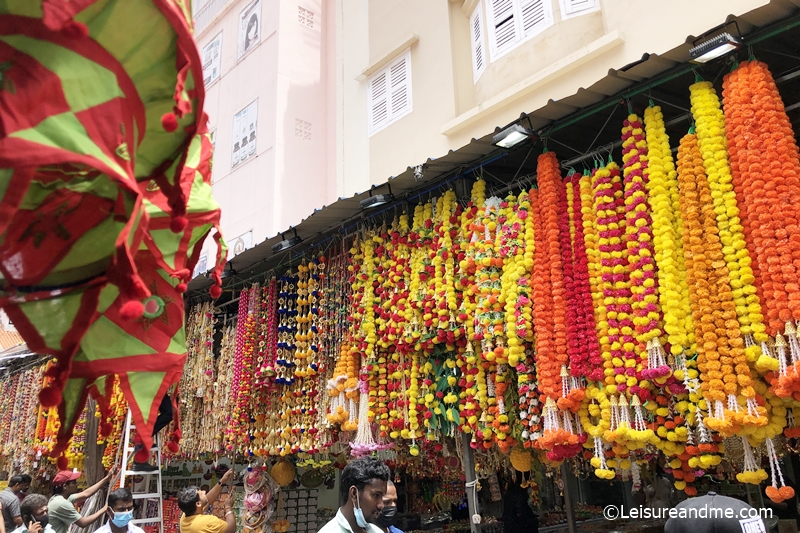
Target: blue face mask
(359, 514)
(122, 519)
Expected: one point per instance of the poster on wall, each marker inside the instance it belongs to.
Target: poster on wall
(249, 28)
(239, 244)
(244, 134)
(212, 53)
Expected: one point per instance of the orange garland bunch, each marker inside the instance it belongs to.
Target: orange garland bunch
(713, 309)
(550, 308)
(766, 176)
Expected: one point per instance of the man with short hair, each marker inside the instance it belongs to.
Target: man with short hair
(34, 515)
(363, 486)
(120, 513)
(194, 502)
(388, 515)
(61, 508)
(9, 499)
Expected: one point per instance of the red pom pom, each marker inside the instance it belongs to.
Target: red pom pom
(173, 447)
(215, 291)
(62, 462)
(142, 456)
(169, 122)
(75, 30)
(131, 310)
(181, 287)
(178, 224)
(49, 396)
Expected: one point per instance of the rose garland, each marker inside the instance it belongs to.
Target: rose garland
(591, 358)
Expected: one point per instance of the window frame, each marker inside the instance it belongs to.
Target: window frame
(386, 71)
(520, 37)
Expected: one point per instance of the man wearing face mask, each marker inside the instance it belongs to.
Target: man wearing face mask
(388, 514)
(33, 510)
(363, 486)
(120, 513)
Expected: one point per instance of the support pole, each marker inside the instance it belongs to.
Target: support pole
(569, 510)
(469, 471)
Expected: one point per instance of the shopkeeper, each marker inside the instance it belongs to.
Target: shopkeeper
(61, 508)
(389, 512)
(194, 502)
(363, 486)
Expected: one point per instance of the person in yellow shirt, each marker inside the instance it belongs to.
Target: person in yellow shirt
(194, 502)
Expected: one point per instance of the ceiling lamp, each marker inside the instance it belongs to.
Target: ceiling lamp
(511, 136)
(378, 199)
(285, 244)
(713, 48)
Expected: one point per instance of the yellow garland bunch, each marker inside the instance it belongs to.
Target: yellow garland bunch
(662, 185)
(711, 137)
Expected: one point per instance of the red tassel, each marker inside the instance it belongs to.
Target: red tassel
(131, 310)
(169, 122)
(137, 439)
(177, 435)
(52, 372)
(178, 224)
(142, 456)
(181, 287)
(62, 462)
(75, 30)
(50, 396)
(105, 429)
(173, 447)
(215, 291)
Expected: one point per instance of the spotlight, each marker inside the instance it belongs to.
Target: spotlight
(511, 136)
(713, 48)
(228, 271)
(285, 244)
(378, 199)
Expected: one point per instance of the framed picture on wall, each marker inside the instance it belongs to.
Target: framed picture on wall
(244, 134)
(249, 28)
(212, 53)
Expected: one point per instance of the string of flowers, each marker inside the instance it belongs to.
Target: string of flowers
(663, 189)
(648, 360)
(763, 165)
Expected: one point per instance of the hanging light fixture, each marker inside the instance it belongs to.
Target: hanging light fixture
(378, 199)
(511, 136)
(285, 244)
(717, 46)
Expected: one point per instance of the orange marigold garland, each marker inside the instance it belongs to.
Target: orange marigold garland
(766, 177)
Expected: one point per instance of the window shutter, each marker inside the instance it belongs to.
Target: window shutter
(378, 102)
(537, 15)
(400, 83)
(504, 32)
(478, 55)
(573, 8)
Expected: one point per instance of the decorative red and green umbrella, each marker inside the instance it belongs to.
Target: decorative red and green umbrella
(93, 113)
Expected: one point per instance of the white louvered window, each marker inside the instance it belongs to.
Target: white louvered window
(512, 22)
(575, 8)
(389, 93)
(478, 45)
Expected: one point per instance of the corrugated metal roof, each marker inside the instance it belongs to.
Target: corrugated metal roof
(331, 218)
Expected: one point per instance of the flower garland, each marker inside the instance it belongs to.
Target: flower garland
(713, 148)
(770, 222)
(662, 187)
(649, 362)
(594, 266)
